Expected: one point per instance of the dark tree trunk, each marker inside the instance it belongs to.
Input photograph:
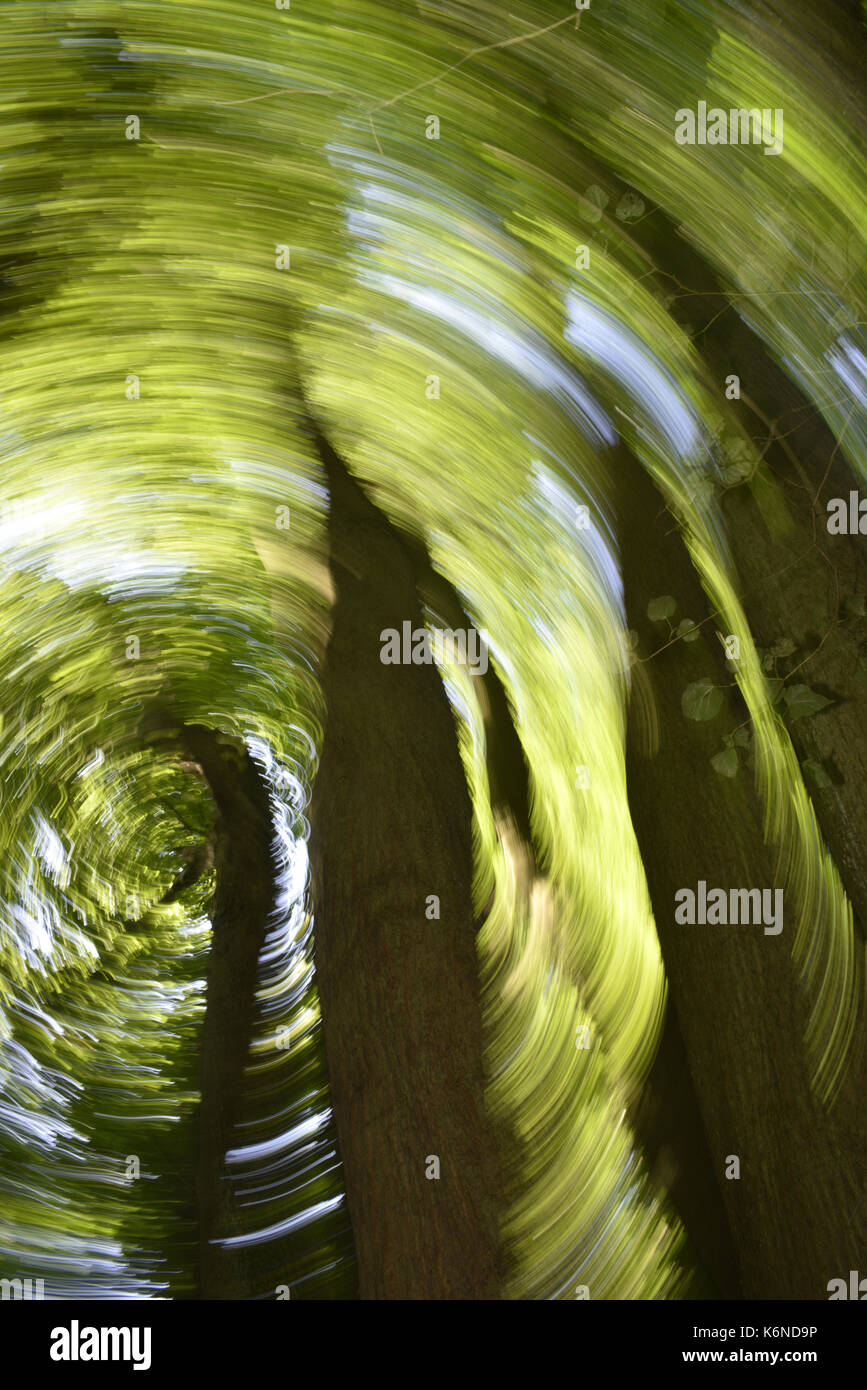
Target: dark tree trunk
(243, 899)
(792, 1210)
(668, 1122)
(795, 580)
(400, 995)
(788, 564)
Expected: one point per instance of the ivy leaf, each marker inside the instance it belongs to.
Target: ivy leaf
(591, 205)
(784, 646)
(629, 208)
(741, 737)
(701, 700)
(774, 688)
(701, 492)
(737, 449)
(726, 763)
(739, 463)
(688, 630)
(817, 774)
(801, 701)
(661, 608)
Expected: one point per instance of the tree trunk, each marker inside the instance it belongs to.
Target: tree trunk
(399, 989)
(795, 581)
(243, 899)
(787, 562)
(792, 1210)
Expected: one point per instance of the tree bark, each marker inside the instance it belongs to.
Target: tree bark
(400, 996)
(669, 1124)
(786, 560)
(243, 899)
(789, 569)
(792, 1212)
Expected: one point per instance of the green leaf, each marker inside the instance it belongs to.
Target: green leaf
(801, 701)
(688, 630)
(774, 688)
(661, 608)
(590, 206)
(699, 489)
(739, 462)
(737, 449)
(742, 737)
(701, 700)
(726, 763)
(817, 774)
(784, 646)
(629, 208)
